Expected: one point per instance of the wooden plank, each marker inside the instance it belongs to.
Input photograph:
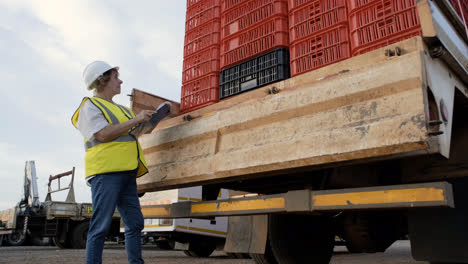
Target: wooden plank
(141, 100)
(370, 111)
(425, 18)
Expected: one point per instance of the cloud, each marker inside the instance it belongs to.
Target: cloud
(44, 47)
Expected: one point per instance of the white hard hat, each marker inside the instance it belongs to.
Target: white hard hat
(94, 70)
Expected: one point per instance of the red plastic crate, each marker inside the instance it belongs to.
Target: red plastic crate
(200, 64)
(377, 23)
(202, 37)
(268, 35)
(320, 49)
(250, 12)
(309, 16)
(456, 6)
(191, 3)
(227, 4)
(199, 93)
(202, 12)
(464, 13)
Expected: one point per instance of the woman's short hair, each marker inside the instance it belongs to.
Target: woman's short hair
(102, 81)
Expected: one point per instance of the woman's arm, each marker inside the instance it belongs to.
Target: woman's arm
(111, 132)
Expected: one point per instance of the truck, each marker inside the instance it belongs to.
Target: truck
(370, 149)
(178, 233)
(65, 223)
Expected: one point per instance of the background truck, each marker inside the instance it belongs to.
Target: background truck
(184, 233)
(66, 223)
(371, 149)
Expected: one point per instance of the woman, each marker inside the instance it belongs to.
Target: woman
(113, 160)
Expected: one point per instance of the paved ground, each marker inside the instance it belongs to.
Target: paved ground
(399, 253)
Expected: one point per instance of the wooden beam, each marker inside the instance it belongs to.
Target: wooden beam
(371, 111)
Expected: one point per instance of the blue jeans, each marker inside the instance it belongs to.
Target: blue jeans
(108, 192)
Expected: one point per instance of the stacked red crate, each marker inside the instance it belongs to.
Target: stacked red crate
(318, 34)
(456, 6)
(464, 12)
(461, 6)
(250, 28)
(378, 23)
(200, 73)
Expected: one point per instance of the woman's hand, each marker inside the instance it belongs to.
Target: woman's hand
(111, 132)
(144, 116)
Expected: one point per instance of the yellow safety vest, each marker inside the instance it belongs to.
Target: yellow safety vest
(121, 154)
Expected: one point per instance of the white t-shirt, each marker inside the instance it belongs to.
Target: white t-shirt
(91, 120)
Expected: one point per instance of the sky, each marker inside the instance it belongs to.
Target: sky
(44, 47)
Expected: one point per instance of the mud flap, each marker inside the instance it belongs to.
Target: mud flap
(440, 234)
(247, 234)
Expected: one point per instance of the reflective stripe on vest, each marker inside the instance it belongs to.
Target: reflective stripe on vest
(111, 115)
(94, 142)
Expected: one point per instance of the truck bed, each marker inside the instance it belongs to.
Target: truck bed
(340, 113)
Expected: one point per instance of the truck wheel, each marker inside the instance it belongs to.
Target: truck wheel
(301, 238)
(39, 241)
(165, 244)
(370, 232)
(16, 239)
(62, 243)
(59, 243)
(80, 235)
(267, 257)
(201, 248)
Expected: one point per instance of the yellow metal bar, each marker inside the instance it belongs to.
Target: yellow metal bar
(202, 230)
(148, 226)
(379, 197)
(160, 211)
(258, 204)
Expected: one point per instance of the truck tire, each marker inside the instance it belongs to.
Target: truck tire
(62, 243)
(39, 241)
(301, 238)
(16, 239)
(165, 244)
(371, 232)
(59, 243)
(79, 235)
(201, 248)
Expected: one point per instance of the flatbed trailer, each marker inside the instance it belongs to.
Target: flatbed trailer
(66, 223)
(372, 148)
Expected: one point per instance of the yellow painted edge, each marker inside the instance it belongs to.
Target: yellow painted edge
(155, 211)
(269, 203)
(379, 197)
(157, 226)
(190, 199)
(202, 230)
